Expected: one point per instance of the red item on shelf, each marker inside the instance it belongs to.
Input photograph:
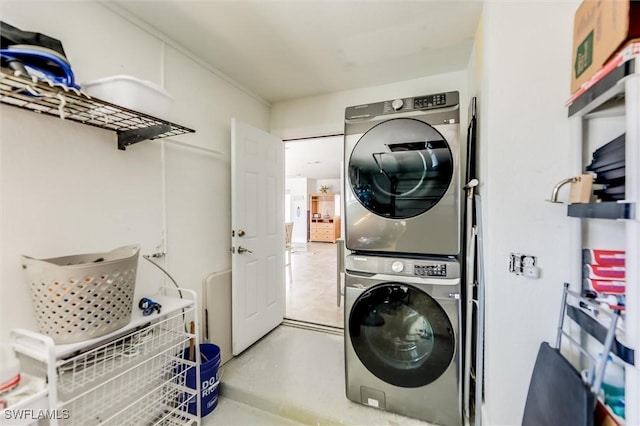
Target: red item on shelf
(604, 272)
(10, 384)
(606, 286)
(603, 257)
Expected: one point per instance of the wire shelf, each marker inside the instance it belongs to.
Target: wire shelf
(152, 399)
(136, 377)
(70, 104)
(115, 357)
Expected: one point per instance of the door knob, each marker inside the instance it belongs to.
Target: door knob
(241, 233)
(243, 250)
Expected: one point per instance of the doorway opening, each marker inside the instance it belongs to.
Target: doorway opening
(313, 297)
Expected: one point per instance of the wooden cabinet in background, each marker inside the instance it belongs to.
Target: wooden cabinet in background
(324, 222)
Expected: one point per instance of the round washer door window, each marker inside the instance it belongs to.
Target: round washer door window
(401, 335)
(400, 168)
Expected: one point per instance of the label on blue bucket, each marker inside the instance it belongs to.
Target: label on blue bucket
(209, 384)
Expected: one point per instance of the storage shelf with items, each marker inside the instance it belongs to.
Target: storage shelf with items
(598, 330)
(605, 115)
(602, 210)
(601, 368)
(324, 217)
(31, 396)
(70, 104)
(137, 374)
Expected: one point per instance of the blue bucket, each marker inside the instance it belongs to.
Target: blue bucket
(209, 378)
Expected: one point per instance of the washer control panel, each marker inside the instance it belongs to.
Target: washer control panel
(408, 267)
(437, 270)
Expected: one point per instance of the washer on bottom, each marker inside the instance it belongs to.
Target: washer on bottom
(401, 336)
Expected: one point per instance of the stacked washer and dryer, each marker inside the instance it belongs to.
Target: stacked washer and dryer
(403, 226)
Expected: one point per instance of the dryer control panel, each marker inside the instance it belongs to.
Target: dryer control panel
(430, 101)
(401, 105)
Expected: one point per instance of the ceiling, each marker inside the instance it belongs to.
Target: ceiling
(288, 49)
(315, 158)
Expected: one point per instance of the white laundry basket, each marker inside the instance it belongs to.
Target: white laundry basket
(84, 296)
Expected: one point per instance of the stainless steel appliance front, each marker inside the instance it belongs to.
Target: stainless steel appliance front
(402, 176)
(402, 336)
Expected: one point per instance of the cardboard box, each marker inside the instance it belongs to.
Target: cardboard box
(581, 189)
(600, 29)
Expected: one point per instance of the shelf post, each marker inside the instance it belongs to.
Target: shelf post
(632, 320)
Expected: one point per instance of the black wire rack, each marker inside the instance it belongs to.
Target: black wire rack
(70, 104)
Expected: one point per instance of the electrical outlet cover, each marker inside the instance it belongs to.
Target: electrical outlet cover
(531, 271)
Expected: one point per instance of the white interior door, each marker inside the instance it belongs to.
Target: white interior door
(257, 222)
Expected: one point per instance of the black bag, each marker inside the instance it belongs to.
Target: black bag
(11, 36)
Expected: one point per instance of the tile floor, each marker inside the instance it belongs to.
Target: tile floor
(311, 284)
(293, 376)
(234, 413)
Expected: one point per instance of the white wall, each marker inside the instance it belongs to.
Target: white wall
(297, 187)
(312, 188)
(476, 61)
(198, 184)
(324, 115)
(524, 132)
(66, 189)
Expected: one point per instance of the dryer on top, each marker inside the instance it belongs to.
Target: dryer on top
(402, 176)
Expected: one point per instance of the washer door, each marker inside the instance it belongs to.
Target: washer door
(400, 168)
(401, 335)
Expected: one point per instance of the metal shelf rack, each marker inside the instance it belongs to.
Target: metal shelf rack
(599, 331)
(136, 375)
(604, 210)
(614, 92)
(69, 104)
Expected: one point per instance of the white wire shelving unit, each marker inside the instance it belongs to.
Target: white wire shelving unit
(614, 92)
(136, 375)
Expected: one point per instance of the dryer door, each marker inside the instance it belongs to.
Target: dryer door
(400, 168)
(401, 334)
